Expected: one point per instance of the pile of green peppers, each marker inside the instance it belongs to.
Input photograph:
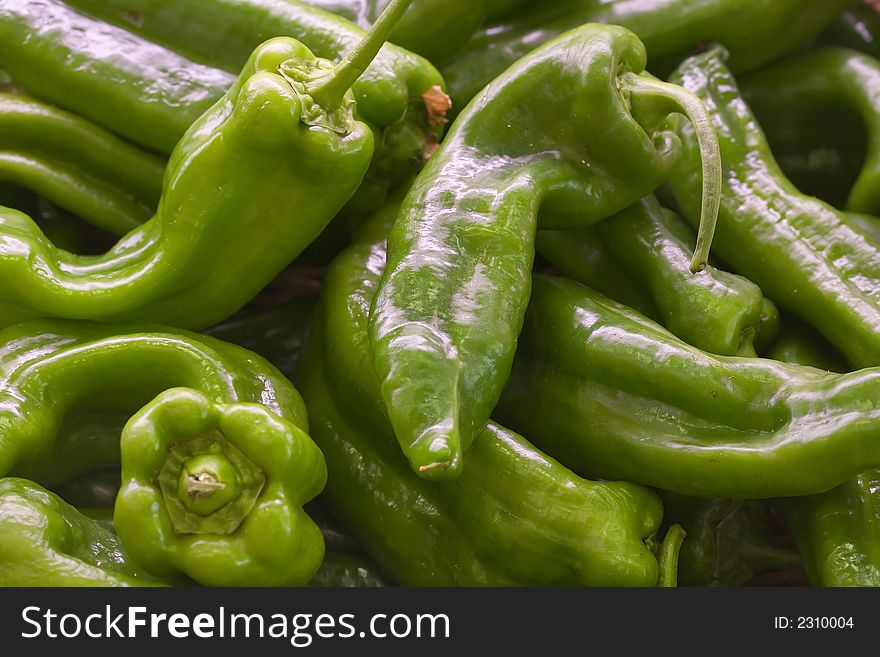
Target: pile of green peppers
(359, 293)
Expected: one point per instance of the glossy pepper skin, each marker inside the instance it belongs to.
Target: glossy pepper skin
(836, 531)
(755, 31)
(804, 254)
(215, 492)
(151, 94)
(279, 165)
(515, 516)
(77, 165)
(445, 318)
(68, 388)
(728, 541)
(649, 249)
(619, 397)
(46, 542)
(394, 94)
(435, 29)
(134, 88)
(824, 80)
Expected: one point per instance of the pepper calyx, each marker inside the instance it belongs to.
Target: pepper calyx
(208, 485)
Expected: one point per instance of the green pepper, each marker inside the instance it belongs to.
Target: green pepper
(612, 394)
(515, 516)
(836, 531)
(134, 88)
(77, 165)
(650, 249)
(202, 257)
(804, 254)
(215, 492)
(68, 388)
(857, 28)
(46, 542)
(793, 95)
(755, 31)
(445, 319)
(151, 95)
(728, 541)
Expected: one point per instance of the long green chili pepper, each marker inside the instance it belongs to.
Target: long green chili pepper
(515, 516)
(611, 394)
(124, 366)
(650, 250)
(446, 316)
(755, 32)
(279, 167)
(77, 165)
(150, 94)
(804, 254)
(837, 531)
(46, 542)
(824, 80)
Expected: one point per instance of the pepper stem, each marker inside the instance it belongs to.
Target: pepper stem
(330, 91)
(683, 101)
(668, 557)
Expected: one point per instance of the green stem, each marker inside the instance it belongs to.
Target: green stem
(330, 91)
(688, 104)
(668, 557)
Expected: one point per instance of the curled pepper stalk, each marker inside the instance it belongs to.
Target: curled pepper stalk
(186, 266)
(665, 98)
(445, 320)
(215, 492)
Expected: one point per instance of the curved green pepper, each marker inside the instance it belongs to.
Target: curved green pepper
(755, 31)
(825, 80)
(52, 372)
(805, 255)
(728, 541)
(445, 319)
(837, 531)
(611, 394)
(201, 258)
(651, 248)
(46, 542)
(215, 491)
(151, 95)
(135, 88)
(77, 165)
(515, 516)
